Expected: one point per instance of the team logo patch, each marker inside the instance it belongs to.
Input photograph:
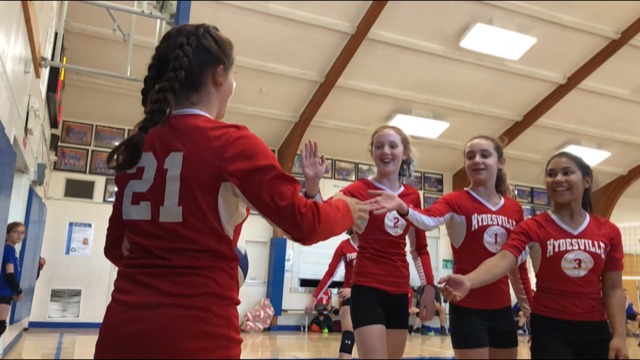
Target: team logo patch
(494, 238)
(394, 224)
(577, 263)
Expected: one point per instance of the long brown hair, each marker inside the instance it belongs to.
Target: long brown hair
(177, 71)
(502, 182)
(406, 167)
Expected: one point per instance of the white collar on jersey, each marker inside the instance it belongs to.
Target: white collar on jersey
(387, 189)
(191, 112)
(562, 225)
(352, 244)
(486, 203)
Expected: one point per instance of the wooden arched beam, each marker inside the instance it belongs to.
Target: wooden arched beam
(32, 31)
(289, 148)
(460, 179)
(606, 198)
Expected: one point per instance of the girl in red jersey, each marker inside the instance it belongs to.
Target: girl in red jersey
(380, 276)
(185, 183)
(578, 260)
(345, 254)
(479, 220)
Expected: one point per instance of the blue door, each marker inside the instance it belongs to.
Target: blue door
(30, 255)
(7, 172)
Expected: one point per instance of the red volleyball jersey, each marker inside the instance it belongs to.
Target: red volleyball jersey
(382, 257)
(569, 264)
(410, 298)
(345, 254)
(477, 232)
(174, 228)
(324, 298)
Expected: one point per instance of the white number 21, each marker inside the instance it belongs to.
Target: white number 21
(170, 212)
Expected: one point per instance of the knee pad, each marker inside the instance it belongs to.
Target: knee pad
(347, 343)
(3, 327)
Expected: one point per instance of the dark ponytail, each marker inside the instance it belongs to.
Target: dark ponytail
(177, 72)
(586, 171)
(502, 182)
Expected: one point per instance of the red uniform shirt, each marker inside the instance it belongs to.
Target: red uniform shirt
(173, 232)
(477, 232)
(410, 298)
(345, 254)
(382, 257)
(569, 264)
(324, 298)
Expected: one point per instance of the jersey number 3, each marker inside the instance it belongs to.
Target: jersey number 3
(170, 212)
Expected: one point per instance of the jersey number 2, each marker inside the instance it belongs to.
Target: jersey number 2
(170, 212)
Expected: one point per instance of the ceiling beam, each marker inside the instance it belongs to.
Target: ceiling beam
(31, 20)
(606, 198)
(289, 148)
(385, 38)
(460, 179)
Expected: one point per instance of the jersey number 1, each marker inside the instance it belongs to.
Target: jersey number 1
(170, 212)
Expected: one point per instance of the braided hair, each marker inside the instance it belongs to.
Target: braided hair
(177, 72)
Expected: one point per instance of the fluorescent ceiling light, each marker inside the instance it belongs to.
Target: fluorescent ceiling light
(495, 41)
(590, 155)
(419, 126)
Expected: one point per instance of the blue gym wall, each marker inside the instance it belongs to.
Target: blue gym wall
(7, 172)
(30, 255)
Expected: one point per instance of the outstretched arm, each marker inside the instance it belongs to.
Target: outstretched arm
(254, 174)
(424, 219)
(456, 287)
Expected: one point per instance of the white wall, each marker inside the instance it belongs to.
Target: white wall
(91, 274)
(16, 85)
(627, 210)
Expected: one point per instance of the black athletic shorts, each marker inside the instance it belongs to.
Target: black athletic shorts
(479, 329)
(6, 300)
(373, 306)
(347, 302)
(565, 339)
(632, 317)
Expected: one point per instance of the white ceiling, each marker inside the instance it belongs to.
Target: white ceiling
(411, 60)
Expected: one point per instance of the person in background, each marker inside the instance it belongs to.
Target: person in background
(578, 261)
(381, 274)
(632, 315)
(323, 322)
(41, 265)
(479, 220)
(346, 254)
(441, 313)
(517, 312)
(10, 290)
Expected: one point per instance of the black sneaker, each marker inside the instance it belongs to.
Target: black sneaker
(443, 332)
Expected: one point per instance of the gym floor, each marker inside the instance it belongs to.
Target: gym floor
(80, 344)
